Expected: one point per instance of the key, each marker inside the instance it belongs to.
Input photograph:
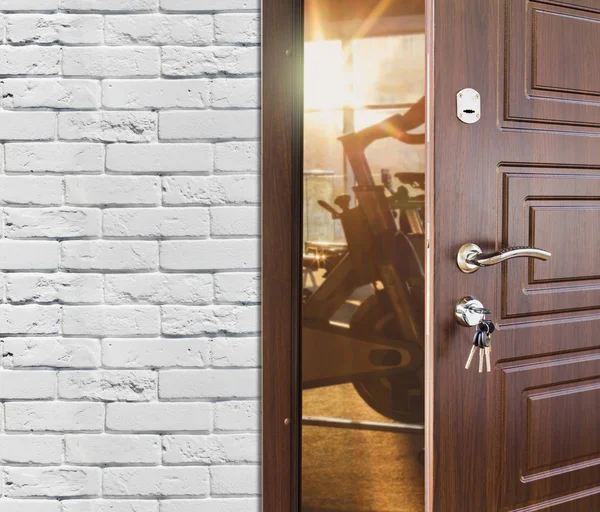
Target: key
(483, 334)
(471, 355)
(481, 340)
(488, 344)
(473, 349)
(481, 357)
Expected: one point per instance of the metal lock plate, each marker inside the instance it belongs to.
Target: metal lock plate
(468, 106)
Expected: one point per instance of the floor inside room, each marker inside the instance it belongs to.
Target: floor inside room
(346, 470)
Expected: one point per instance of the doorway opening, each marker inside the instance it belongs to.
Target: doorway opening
(363, 257)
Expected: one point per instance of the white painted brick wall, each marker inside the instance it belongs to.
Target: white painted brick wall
(129, 256)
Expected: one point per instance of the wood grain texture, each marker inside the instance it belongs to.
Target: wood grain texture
(489, 177)
(549, 67)
(279, 237)
(555, 208)
(571, 38)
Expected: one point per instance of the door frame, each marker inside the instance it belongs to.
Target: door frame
(282, 43)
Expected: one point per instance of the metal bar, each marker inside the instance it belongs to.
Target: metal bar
(322, 421)
(371, 106)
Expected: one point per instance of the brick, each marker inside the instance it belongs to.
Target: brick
(107, 505)
(27, 125)
(111, 62)
(30, 319)
(159, 29)
(231, 480)
(53, 29)
(235, 352)
(54, 416)
(25, 385)
(158, 289)
(31, 191)
(201, 320)
(156, 222)
(56, 287)
(235, 221)
(209, 5)
(51, 93)
(223, 449)
(237, 157)
(29, 60)
(155, 94)
(108, 255)
(63, 481)
(213, 505)
(29, 5)
(107, 126)
(109, 5)
(112, 449)
(50, 352)
(155, 353)
(28, 255)
(235, 93)
(231, 28)
(111, 190)
(158, 417)
(209, 255)
(159, 158)
(228, 60)
(29, 505)
(210, 190)
(111, 320)
(108, 385)
(52, 222)
(216, 384)
(237, 287)
(31, 450)
(209, 124)
(160, 481)
(237, 416)
(54, 157)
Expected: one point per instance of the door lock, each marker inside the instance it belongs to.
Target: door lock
(470, 256)
(470, 311)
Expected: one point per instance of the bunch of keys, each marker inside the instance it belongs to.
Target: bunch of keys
(482, 341)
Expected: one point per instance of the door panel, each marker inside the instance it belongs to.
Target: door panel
(549, 207)
(546, 48)
(526, 436)
(545, 440)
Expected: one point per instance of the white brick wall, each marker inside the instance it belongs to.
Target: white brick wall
(129, 256)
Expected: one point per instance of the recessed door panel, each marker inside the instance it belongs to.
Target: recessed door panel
(557, 208)
(546, 46)
(545, 437)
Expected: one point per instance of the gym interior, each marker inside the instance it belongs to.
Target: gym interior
(362, 337)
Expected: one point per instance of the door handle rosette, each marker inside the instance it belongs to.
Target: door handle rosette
(470, 256)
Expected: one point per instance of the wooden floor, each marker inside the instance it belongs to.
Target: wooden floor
(357, 471)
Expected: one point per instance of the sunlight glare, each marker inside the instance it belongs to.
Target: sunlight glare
(325, 82)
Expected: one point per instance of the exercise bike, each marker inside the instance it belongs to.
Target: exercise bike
(363, 323)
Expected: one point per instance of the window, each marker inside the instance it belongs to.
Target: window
(350, 84)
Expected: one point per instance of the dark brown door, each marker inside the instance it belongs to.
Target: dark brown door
(527, 435)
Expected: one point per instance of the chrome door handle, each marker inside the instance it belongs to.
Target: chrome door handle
(470, 256)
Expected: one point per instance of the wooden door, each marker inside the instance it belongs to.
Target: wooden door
(526, 436)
